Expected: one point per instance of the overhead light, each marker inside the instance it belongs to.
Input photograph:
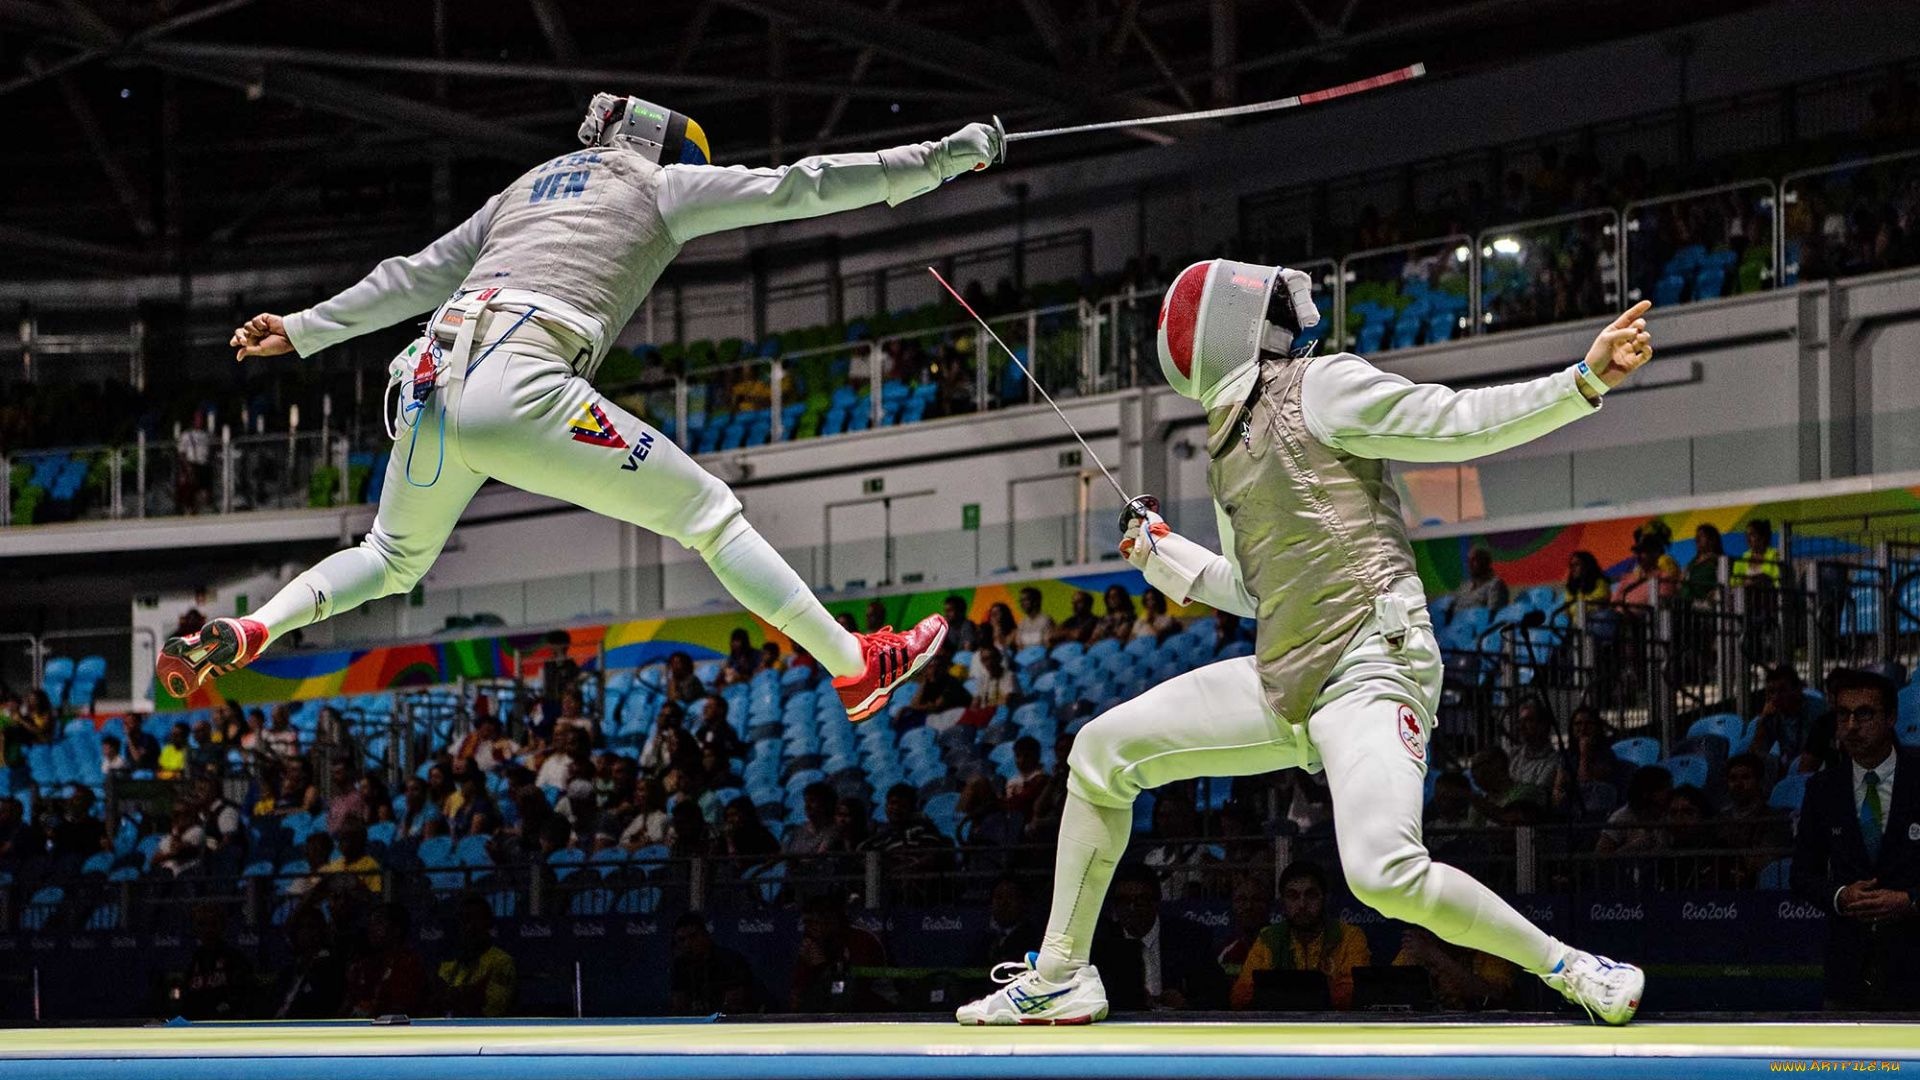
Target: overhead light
(1507, 245)
(1462, 253)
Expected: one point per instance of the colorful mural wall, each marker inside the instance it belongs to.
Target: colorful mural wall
(1522, 558)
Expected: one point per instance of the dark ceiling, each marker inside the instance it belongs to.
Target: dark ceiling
(210, 134)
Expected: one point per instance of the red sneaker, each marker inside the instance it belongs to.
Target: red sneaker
(892, 659)
(221, 646)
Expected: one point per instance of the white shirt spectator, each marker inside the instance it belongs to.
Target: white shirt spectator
(646, 829)
(555, 772)
(1033, 631)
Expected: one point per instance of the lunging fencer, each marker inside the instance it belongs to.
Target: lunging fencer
(527, 296)
(1346, 671)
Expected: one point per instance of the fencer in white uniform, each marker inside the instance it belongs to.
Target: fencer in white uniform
(1346, 670)
(528, 295)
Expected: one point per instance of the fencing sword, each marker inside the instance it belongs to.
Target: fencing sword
(1137, 506)
(1359, 86)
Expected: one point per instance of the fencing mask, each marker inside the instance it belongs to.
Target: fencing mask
(657, 133)
(1220, 315)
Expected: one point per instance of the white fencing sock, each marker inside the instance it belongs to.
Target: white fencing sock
(761, 580)
(1092, 840)
(341, 582)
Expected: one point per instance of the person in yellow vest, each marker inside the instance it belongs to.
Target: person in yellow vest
(1306, 939)
(354, 859)
(480, 979)
(1463, 980)
(1761, 564)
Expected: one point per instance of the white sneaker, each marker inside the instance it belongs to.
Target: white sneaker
(1026, 998)
(1604, 988)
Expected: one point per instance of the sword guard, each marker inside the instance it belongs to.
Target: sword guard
(1137, 508)
(1002, 129)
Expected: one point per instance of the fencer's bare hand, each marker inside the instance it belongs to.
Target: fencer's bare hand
(262, 335)
(1623, 347)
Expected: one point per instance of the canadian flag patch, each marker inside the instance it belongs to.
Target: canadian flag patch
(1407, 722)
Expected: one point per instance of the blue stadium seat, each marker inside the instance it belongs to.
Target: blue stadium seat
(1638, 751)
(1690, 770)
(1777, 875)
(1729, 726)
(1788, 792)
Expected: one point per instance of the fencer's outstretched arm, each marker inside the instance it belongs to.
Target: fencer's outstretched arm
(399, 288)
(699, 199)
(1185, 571)
(1355, 407)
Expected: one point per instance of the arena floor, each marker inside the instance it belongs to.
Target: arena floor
(699, 1049)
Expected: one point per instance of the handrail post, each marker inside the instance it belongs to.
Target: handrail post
(776, 373)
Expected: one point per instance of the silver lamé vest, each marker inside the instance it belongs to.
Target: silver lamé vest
(584, 228)
(1317, 533)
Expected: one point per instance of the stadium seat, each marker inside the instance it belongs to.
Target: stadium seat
(1639, 750)
(1788, 792)
(1729, 726)
(1689, 770)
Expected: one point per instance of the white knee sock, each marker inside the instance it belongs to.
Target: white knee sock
(761, 580)
(1092, 840)
(341, 582)
(1459, 909)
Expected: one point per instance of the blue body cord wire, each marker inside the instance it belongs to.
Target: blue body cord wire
(413, 408)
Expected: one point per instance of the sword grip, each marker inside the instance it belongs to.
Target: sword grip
(1138, 508)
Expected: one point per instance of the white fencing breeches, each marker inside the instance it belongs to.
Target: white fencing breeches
(1368, 729)
(522, 416)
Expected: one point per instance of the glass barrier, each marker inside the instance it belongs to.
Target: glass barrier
(729, 406)
(279, 472)
(1407, 295)
(1702, 245)
(1519, 483)
(1551, 270)
(1846, 219)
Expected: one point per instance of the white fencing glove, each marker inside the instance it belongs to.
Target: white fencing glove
(970, 149)
(1142, 536)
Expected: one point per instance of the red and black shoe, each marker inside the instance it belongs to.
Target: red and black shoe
(221, 646)
(892, 659)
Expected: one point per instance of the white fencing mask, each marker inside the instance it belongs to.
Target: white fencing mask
(1220, 315)
(656, 132)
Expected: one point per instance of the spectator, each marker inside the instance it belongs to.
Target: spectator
(143, 750)
(480, 979)
(417, 810)
(1154, 621)
(230, 725)
(1118, 623)
(1586, 582)
(1701, 579)
(1000, 630)
(205, 754)
(846, 623)
(816, 834)
(79, 834)
(1149, 962)
(617, 791)
(571, 759)
(13, 738)
(1043, 817)
(1178, 857)
(571, 718)
(962, 633)
(282, 740)
(331, 730)
(770, 657)
(1497, 787)
(717, 734)
(1463, 980)
(1748, 823)
(172, 763)
(987, 829)
(112, 761)
(1692, 837)
(707, 978)
(1227, 630)
(1590, 760)
(315, 981)
(219, 817)
(193, 469)
(1029, 776)
(1851, 858)
(472, 811)
(850, 818)
(912, 849)
(658, 752)
(1250, 911)
(1080, 625)
(743, 660)
(994, 684)
(354, 858)
(218, 984)
(743, 837)
(1531, 757)
(1483, 588)
(826, 972)
(649, 823)
(1011, 929)
(41, 724)
(1635, 829)
(1035, 626)
(876, 616)
(1653, 576)
(1786, 722)
(16, 838)
(937, 692)
(1306, 939)
(486, 746)
(686, 829)
(184, 846)
(316, 851)
(682, 684)
(295, 794)
(348, 803)
(1760, 567)
(1452, 804)
(388, 976)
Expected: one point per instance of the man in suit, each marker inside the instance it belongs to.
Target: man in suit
(1153, 963)
(1857, 854)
